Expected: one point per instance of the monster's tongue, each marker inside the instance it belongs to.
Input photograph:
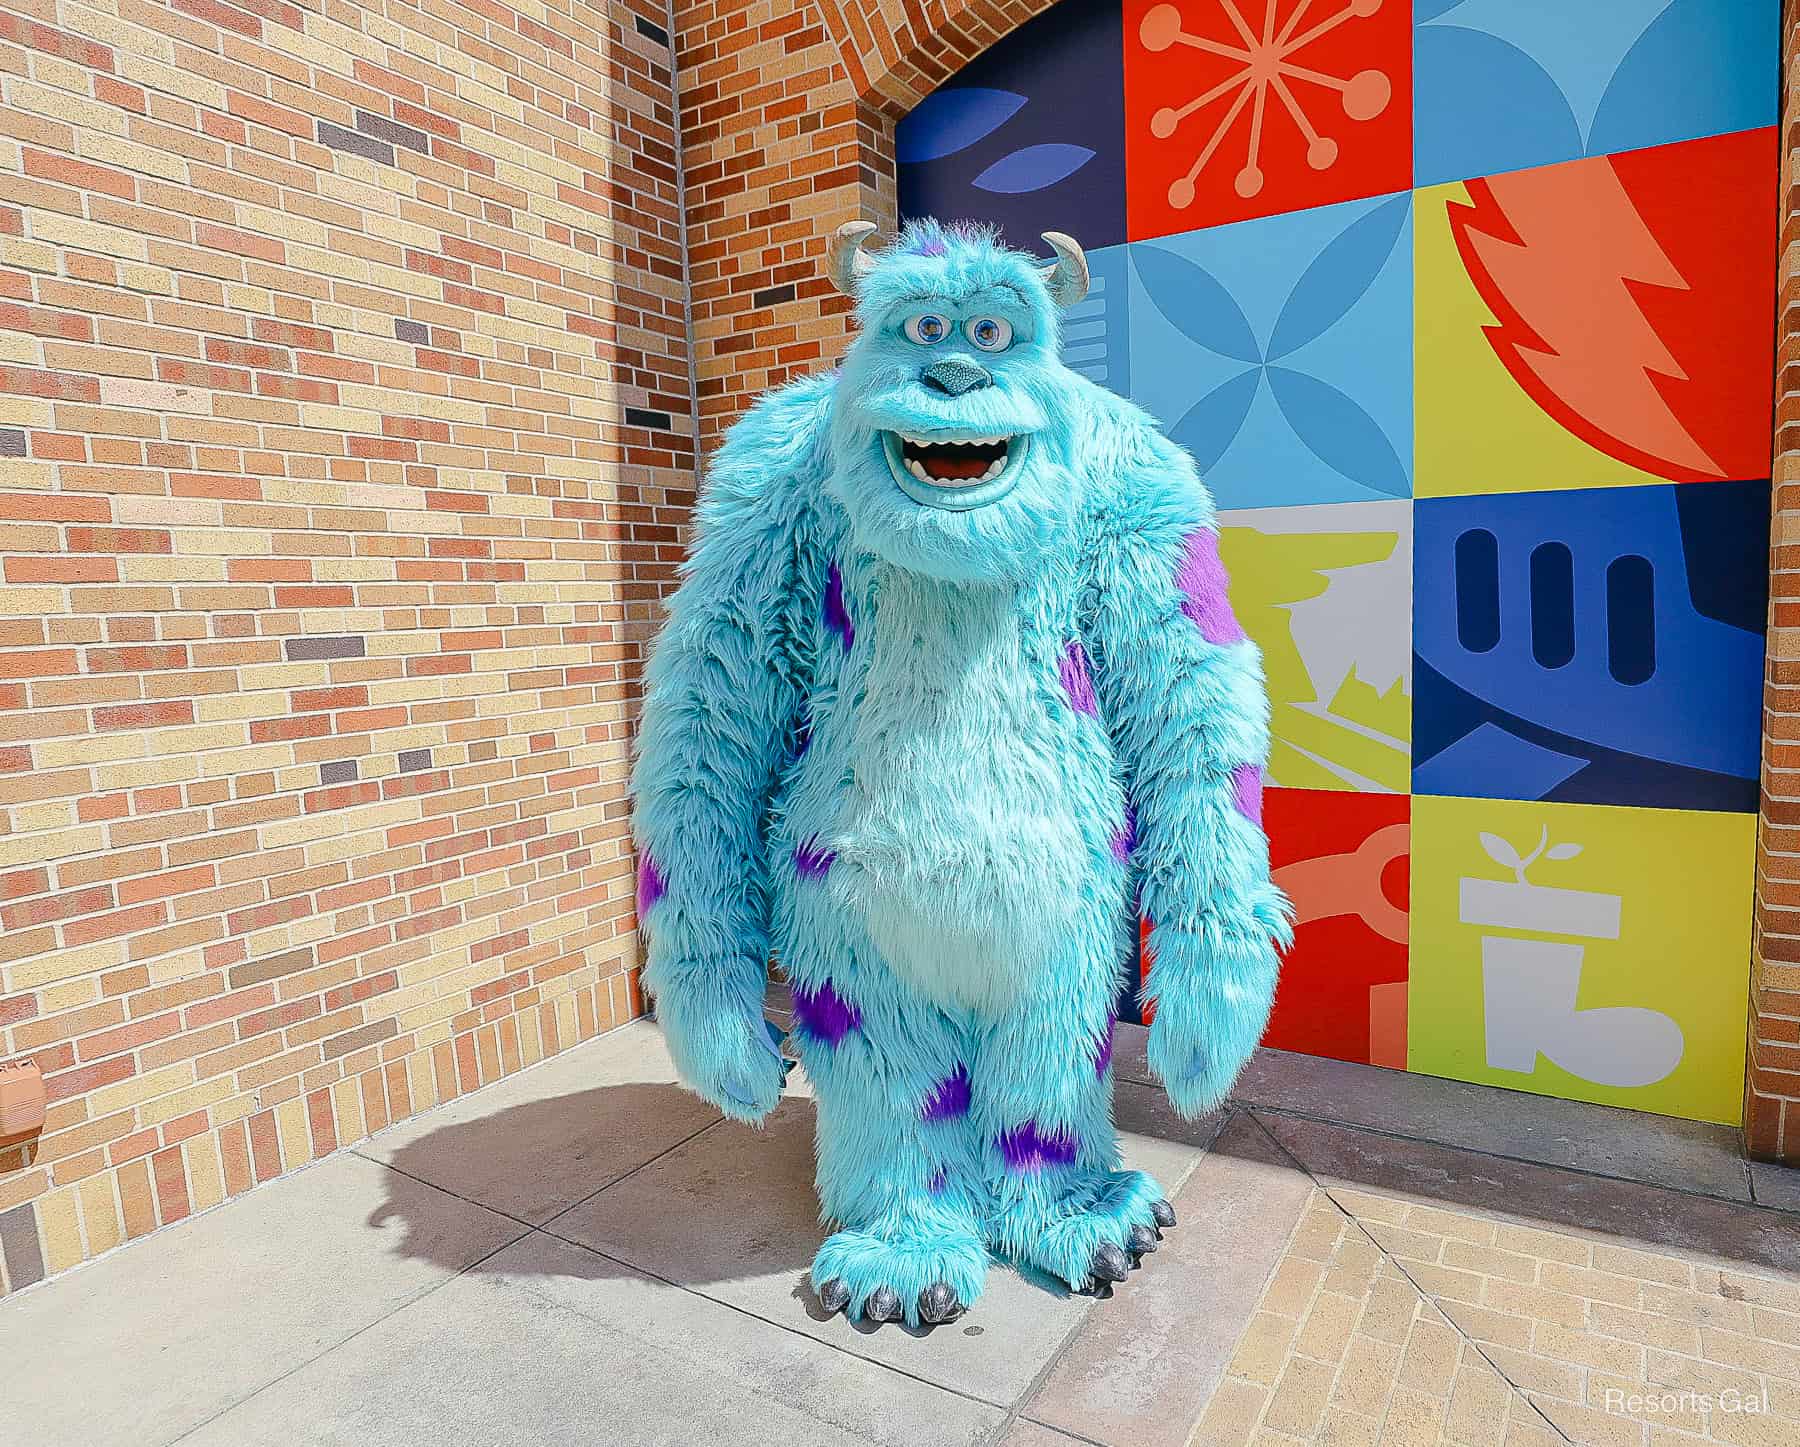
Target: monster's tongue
(947, 466)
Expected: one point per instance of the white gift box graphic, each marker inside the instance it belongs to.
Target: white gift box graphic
(1530, 986)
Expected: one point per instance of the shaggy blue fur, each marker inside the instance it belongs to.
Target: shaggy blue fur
(924, 757)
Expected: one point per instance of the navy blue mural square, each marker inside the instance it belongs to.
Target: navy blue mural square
(1602, 645)
(1030, 135)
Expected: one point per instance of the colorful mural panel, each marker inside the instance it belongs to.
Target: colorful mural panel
(1601, 322)
(1326, 594)
(1465, 310)
(1279, 352)
(1342, 858)
(1581, 951)
(1506, 84)
(1236, 109)
(1601, 646)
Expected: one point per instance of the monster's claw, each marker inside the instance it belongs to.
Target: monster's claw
(883, 1304)
(834, 1295)
(1110, 1263)
(938, 1303)
(1142, 1241)
(1164, 1213)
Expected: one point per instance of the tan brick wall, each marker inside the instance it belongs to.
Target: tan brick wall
(345, 427)
(1772, 1089)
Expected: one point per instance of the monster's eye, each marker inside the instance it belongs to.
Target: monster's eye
(991, 334)
(926, 329)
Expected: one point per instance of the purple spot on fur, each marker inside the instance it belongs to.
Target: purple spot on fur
(812, 860)
(1077, 681)
(1103, 1057)
(949, 1098)
(939, 1179)
(837, 616)
(821, 1011)
(1247, 792)
(1206, 590)
(1028, 1147)
(933, 246)
(1124, 838)
(650, 885)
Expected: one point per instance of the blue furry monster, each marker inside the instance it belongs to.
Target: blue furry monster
(951, 680)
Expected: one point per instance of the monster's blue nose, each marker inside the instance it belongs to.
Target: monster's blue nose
(953, 377)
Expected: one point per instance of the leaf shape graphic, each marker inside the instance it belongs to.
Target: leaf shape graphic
(1337, 431)
(1195, 303)
(1338, 276)
(1500, 851)
(1212, 424)
(1563, 851)
(948, 121)
(1033, 168)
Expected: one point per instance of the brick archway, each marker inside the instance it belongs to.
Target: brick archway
(788, 115)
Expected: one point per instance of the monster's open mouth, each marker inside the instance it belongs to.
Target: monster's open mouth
(956, 474)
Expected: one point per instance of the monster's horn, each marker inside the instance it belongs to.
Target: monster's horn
(845, 262)
(1067, 276)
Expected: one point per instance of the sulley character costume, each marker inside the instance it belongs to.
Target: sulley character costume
(950, 683)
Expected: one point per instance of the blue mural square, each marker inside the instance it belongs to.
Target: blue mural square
(1502, 85)
(1096, 331)
(1279, 351)
(1030, 135)
(1598, 646)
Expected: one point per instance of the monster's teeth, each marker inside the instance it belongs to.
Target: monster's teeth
(993, 469)
(917, 469)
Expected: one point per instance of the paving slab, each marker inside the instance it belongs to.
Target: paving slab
(543, 1345)
(1528, 1194)
(1629, 1145)
(1140, 1372)
(732, 1213)
(148, 1342)
(539, 1141)
(1775, 1186)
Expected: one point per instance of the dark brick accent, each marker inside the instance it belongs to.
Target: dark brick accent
(18, 1239)
(371, 1034)
(415, 332)
(644, 417)
(385, 130)
(12, 442)
(338, 771)
(340, 139)
(312, 650)
(254, 972)
(651, 31)
(412, 759)
(772, 295)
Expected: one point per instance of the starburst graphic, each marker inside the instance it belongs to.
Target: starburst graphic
(1263, 65)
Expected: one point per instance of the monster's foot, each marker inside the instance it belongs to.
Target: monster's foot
(1091, 1234)
(916, 1275)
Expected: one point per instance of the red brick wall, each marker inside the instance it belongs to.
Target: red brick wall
(345, 425)
(1772, 1090)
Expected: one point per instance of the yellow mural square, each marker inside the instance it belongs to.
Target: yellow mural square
(1326, 592)
(1582, 951)
(1475, 429)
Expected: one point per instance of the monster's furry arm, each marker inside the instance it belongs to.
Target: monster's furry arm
(1182, 691)
(720, 703)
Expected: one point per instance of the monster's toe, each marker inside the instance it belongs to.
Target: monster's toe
(1142, 1240)
(883, 1304)
(834, 1295)
(1164, 1213)
(938, 1303)
(1110, 1263)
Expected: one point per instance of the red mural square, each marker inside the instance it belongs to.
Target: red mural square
(1241, 108)
(1343, 859)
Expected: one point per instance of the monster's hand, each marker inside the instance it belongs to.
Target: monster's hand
(726, 1055)
(1208, 1016)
